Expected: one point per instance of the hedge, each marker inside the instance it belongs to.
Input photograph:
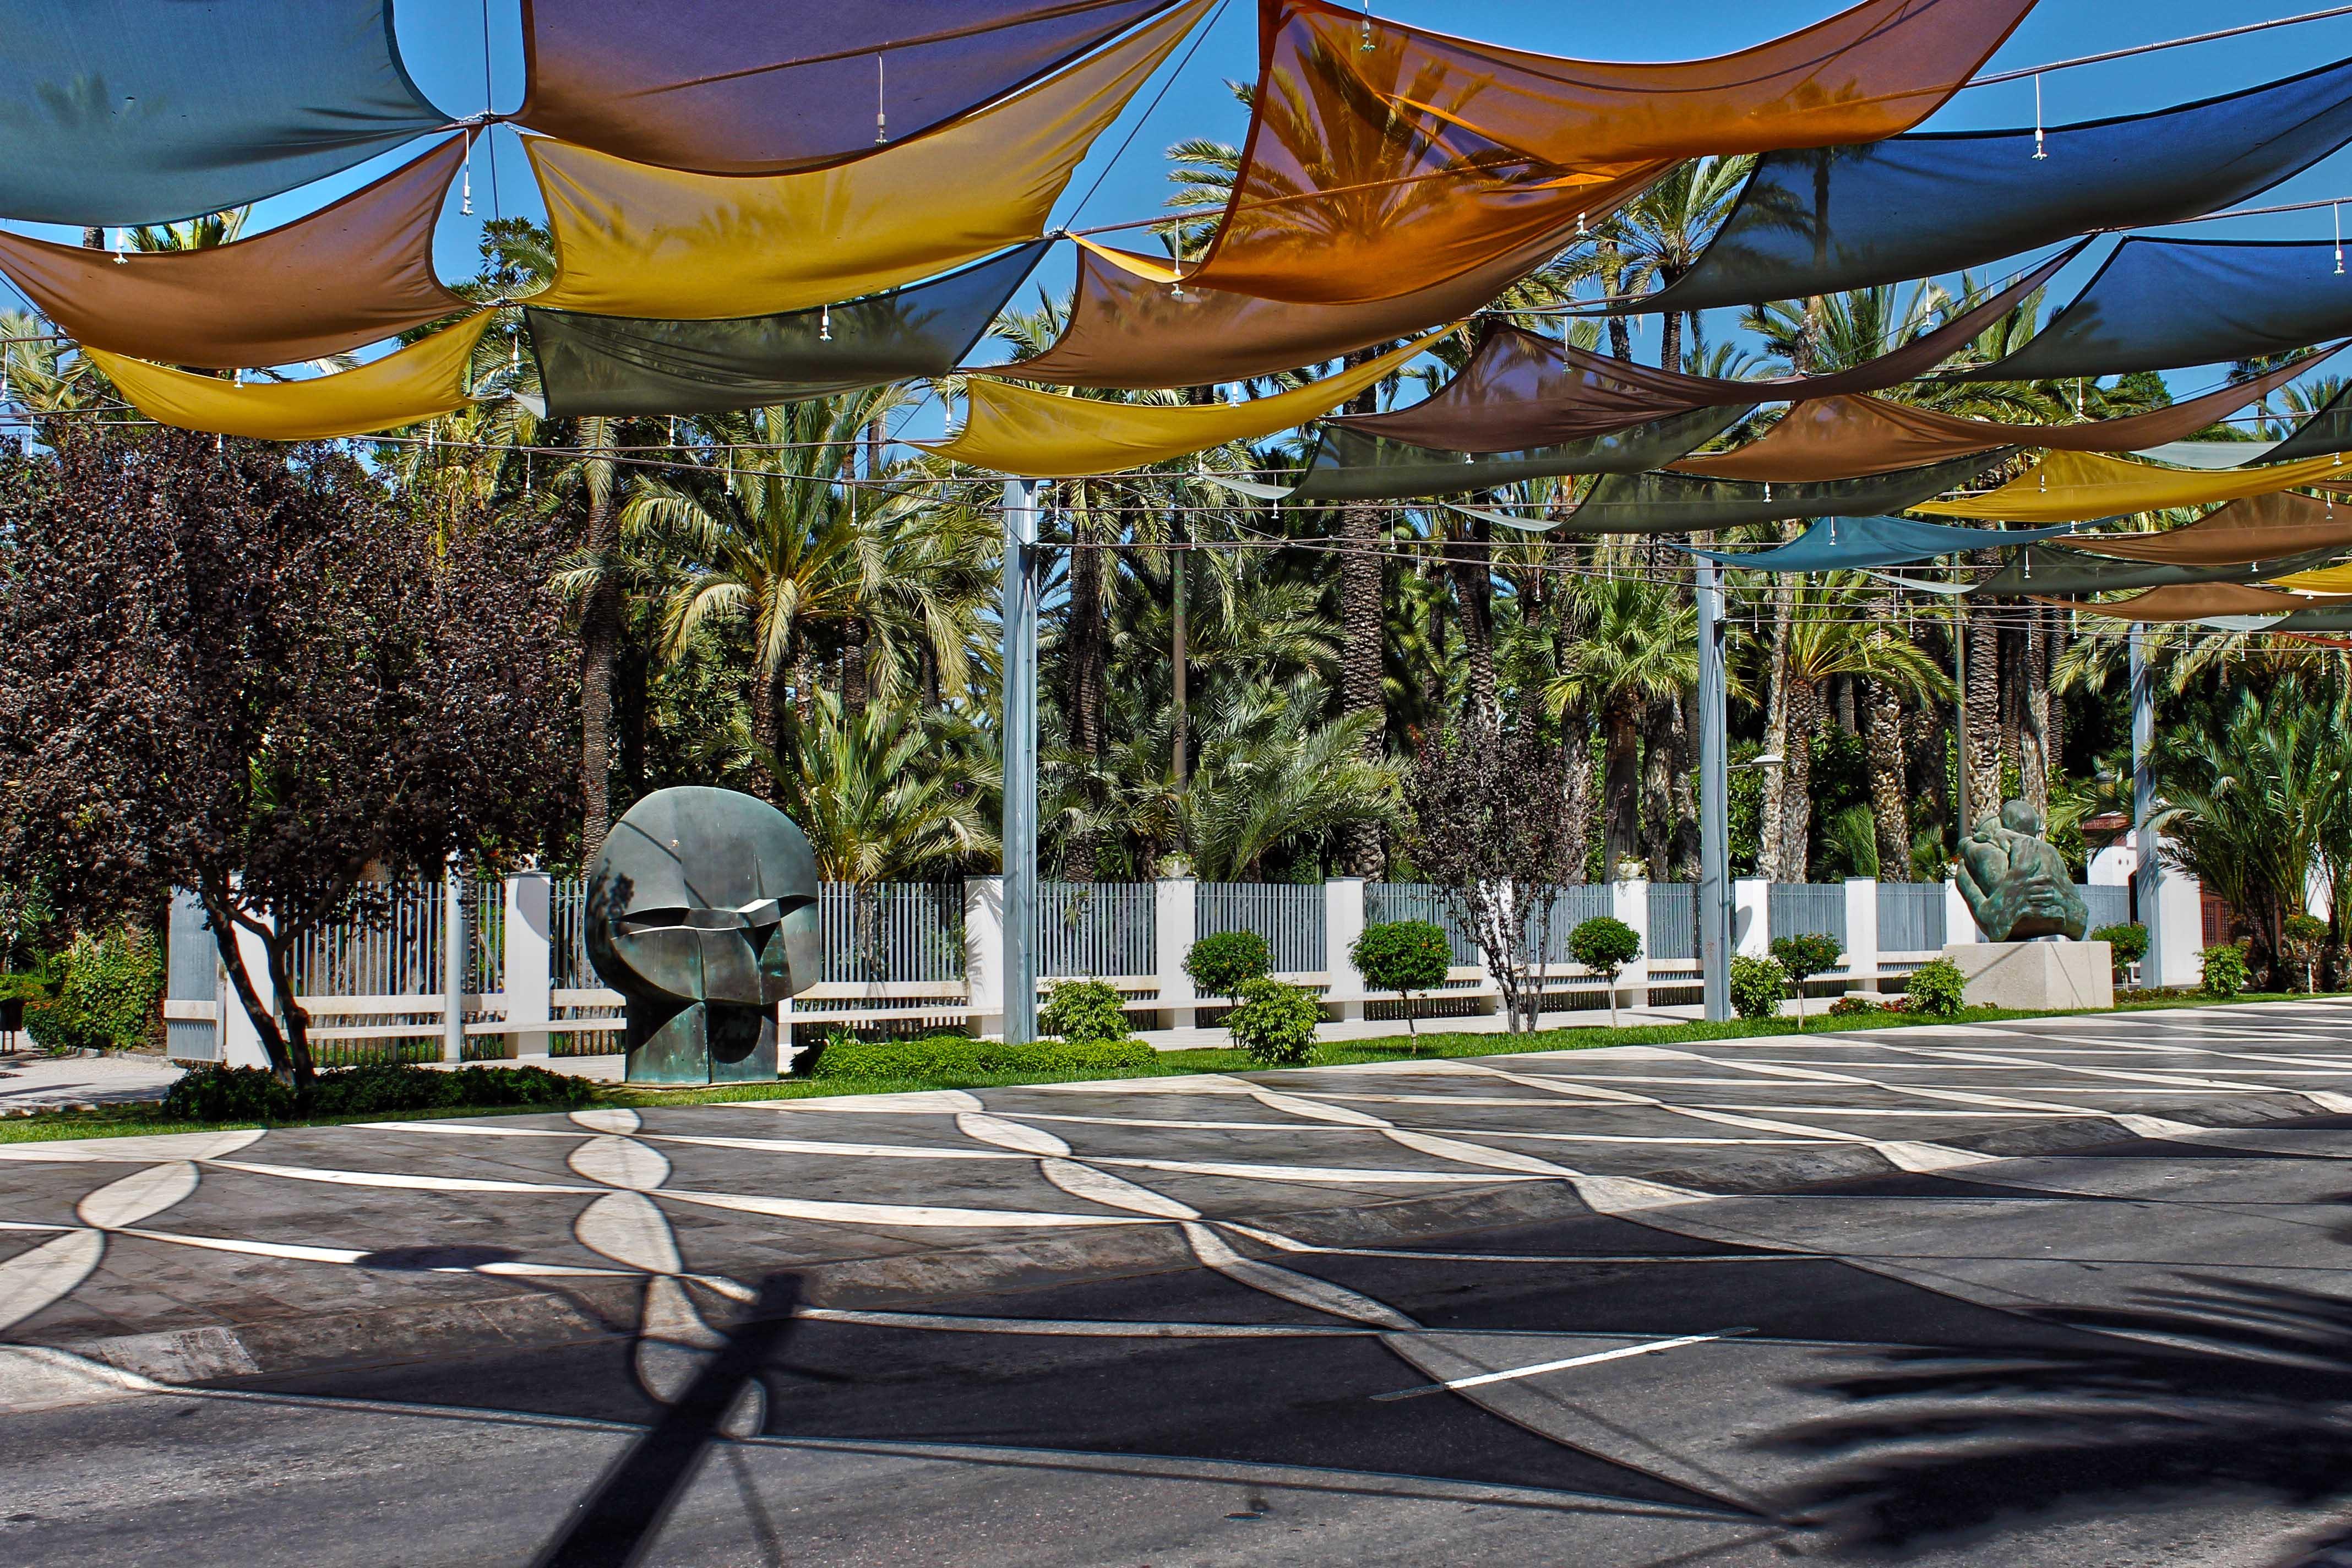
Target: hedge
(950, 1056)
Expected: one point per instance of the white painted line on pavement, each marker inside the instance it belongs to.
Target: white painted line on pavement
(1652, 1347)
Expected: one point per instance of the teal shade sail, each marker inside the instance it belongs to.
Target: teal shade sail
(137, 111)
(623, 365)
(2061, 571)
(1677, 503)
(1350, 466)
(1817, 220)
(1851, 543)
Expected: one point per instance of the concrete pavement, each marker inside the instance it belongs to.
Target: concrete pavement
(2068, 1291)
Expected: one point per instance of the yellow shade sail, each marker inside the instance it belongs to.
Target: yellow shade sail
(1051, 436)
(427, 378)
(2326, 580)
(2076, 487)
(635, 240)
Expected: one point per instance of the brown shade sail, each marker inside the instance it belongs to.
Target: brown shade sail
(2194, 601)
(723, 87)
(2255, 527)
(1522, 389)
(1845, 438)
(1867, 72)
(356, 272)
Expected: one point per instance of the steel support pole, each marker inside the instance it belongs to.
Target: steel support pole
(457, 951)
(1714, 803)
(2147, 875)
(1020, 675)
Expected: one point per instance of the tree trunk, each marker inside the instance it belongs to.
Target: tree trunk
(1621, 337)
(1576, 761)
(1806, 716)
(1848, 719)
(600, 637)
(1621, 787)
(1658, 726)
(760, 708)
(94, 238)
(1085, 637)
(1684, 864)
(804, 681)
(2033, 737)
(1474, 588)
(1890, 811)
(1771, 854)
(1180, 737)
(853, 666)
(1670, 339)
(1982, 729)
(1362, 637)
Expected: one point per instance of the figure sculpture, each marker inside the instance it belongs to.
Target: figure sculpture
(702, 911)
(2016, 885)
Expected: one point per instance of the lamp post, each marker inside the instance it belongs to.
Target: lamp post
(1714, 802)
(1020, 751)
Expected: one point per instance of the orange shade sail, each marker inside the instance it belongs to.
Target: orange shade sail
(356, 272)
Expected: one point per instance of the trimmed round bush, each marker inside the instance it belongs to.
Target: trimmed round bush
(2129, 943)
(1605, 944)
(2225, 971)
(1403, 956)
(1276, 1023)
(959, 1059)
(1220, 965)
(1758, 984)
(1084, 1012)
(1807, 954)
(1936, 989)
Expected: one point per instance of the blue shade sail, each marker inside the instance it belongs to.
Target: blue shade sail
(2048, 571)
(1851, 543)
(2161, 304)
(1677, 503)
(1816, 220)
(625, 364)
(136, 111)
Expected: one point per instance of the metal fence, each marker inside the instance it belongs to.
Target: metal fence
(1385, 902)
(891, 931)
(1793, 909)
(1288, 915)
(1911, 917)
(1571, 908)
(1674, 922)
(2109, 905)
(1097, 929)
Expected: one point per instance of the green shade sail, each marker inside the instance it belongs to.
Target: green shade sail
(1350, 466)
(1676, 503)
(2062, 570)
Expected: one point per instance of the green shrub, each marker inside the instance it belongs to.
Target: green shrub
(1084, 1011)
(107, 999)
(1758, 984)
(951, 1057)
(2129, 943)
(1936, 989)
(254, 1094)
(1222, 964)
(1605, 944)
(2225, 971)
(1276, 1023)
(1802, 956)
(2303, 936)
(1403, 956)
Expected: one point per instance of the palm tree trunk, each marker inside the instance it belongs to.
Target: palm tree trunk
(1085, 637)
(1575, 761)
(94, 238)
(1658, 727)
(1683, 865)
(1621, 787)
(1362, 641)
(1806, 716)
(1670, 339)
(853, 666)
(1981, 735)
(1773, 853)
(803, 682)
(1474, 587)
(600, 637)
(2033, 737)
(1890, 811)
(1180, 738)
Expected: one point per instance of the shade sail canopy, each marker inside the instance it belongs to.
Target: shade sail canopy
(135, 112)
(2199, 601)
(2327, 431)
(1816, 220)
(2052, 571)
(2316, 580)
(427, 378)
(1850, 543)
(1126, 330)
(1843, 438)
(1674, 503)
(2254, 528)
(635, 240)
(1522, 389)
(357, 272)
(728, 88)
(2160, 304)
(2335, 617)
(1867, 72)
(617, 364)
(1051, 436)
(2076, 487)
(1350, 466)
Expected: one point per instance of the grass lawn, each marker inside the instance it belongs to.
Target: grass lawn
(129, 1120)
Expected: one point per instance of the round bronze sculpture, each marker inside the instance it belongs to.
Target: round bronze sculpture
(702, 911)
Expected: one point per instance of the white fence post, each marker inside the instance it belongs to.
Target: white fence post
(1629, 902)
(528, 965)
(1959, 925)
(1174, 905)
(241, 1044)
(1862, 933)
(983, 953)
(456, 950)
(1343, 922)
(2180, 927)
(1751, 918)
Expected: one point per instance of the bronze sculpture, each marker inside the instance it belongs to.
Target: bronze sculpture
(702, 911)
(2016, 885)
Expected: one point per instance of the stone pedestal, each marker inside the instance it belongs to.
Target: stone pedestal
(2032, 976)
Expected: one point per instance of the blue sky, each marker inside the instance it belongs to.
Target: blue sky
(443, 39)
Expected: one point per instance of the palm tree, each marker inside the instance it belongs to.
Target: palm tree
(887, 793)
(1276, 778)
(1642, 648)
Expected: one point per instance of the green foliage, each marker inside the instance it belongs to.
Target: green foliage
(1084, 1012)
(254, 1094)
(1605, 944)
(1853, 1006)
(1935, 989)
(1806, 954)
(2129, 943)
(951, 1057)
(1401, 956)
(1276, 1023)
(1222, 964)
(107, 999)
(2302, 936)
(1758, 984)
(2225, 971)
